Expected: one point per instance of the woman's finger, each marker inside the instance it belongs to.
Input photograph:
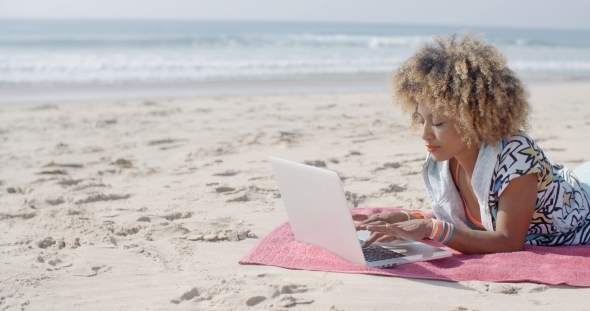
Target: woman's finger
(359, 217)
(374, 237)
(374, 218)
(383, 228)
(361, 226)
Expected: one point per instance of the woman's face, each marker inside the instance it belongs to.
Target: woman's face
(439, 135)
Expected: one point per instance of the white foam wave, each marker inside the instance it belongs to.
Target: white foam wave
(153, 68)
(297, 54)
(222, 40)
(550, 66)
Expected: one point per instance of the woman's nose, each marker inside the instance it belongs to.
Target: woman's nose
(426, 132)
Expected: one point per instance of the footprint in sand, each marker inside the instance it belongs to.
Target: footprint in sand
(293, 289)
(53, 172)
(46, 242)
(19, 215)
(189, 295)
(162, 142)
(224, 189)
(393, 188)
(103, 197)
(220, 229)
(355, 199)
(60, 167)
(262, 293)
(178, 215)
(167, 230)
(123, 163)
(288, 137)
(242, 198)
(505, 288)
(69, 182)
(290, 301)
(316, 163)
(227, 173)
(88, 270)
(70, 263)
(252, 301)
(68, 165)
(144, 219)
(285, 298)
(385, 166)
(225, 235)
(56, 201)
(125, 231)
(253, 193)
(89, 185)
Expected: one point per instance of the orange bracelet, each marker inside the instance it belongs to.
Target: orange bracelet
(418, 214)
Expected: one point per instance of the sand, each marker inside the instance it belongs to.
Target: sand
(149, 204)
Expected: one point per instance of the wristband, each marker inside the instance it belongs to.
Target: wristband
(442, 231)
(434, 229)
(450, 235)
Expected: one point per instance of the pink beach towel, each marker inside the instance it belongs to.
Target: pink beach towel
(538, 264)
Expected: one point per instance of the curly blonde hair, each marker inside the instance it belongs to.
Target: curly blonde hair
(466, 79)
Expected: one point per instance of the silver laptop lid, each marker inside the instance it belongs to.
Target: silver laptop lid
(317, 209)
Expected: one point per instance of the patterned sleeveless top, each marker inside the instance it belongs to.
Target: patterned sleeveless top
(562, 210)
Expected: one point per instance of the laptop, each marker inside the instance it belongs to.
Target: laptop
(319, 215)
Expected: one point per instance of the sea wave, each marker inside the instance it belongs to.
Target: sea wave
(153, 68)
(213, 41)
(551, 66)
(125, 51)
(245, 41)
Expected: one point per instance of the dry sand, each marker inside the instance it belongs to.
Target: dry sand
(133, 205)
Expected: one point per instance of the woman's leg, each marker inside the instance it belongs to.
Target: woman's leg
(583, 174)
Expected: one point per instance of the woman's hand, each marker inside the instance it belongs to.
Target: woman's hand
(415, 229)
(390, 217)
(379, 221)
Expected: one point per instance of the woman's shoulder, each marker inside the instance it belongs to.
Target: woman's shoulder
(520, 155)
(520, 146)
(519, 141)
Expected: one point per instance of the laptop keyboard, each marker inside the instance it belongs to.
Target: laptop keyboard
(376, 253)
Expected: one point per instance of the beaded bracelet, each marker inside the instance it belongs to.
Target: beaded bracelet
(442, 231)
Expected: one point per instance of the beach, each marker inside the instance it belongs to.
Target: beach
(135, 204)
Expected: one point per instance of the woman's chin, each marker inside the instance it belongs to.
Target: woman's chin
(438, 157)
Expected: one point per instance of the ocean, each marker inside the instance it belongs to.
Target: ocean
(116, 53)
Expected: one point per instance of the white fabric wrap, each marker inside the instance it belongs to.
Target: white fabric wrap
(447, 204)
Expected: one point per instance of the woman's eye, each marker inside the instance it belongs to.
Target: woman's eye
(437, 124)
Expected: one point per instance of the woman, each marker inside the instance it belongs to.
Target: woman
(492, 188)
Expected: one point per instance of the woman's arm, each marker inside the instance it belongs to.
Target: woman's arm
(515, 211)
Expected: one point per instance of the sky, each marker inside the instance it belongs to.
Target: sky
(568, 14)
